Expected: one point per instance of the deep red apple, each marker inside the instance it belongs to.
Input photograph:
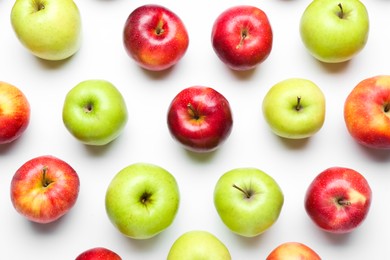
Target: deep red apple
(200, 118)
(44, 189)
(14, 113)
(338, 199)
(155, 37)
(242, 37)
(367, 112)
(293, 251)
(98, 253)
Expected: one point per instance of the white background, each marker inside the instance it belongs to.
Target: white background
(146, 138)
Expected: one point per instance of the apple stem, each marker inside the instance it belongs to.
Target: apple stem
(343, 202)
(159, 29)
(192, 111)
(88, 107)
(387, 108)
(246, 193)
(244, 34)
(341, 12)
(298, 106)
(45, 181)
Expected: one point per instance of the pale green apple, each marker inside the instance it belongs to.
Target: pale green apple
(142, 200)
(334, 30)
(49, 29)
(248, 201)
(94, 112)
(294, 108)
(198, 244)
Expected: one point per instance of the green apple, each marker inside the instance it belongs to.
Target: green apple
(198, 244)
(294, 108)
(248, 201)
(334, 30)
(142, 200)
(49, 29)
(94, 112)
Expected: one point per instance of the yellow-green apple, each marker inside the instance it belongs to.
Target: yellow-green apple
(14, 113)
(198, 244)
(248, 201)
(200, 119)
(44, 189)
(242, 37)
(95, 112)
(142, 200)
(98, 253)
(338, 199)
(293, 251)
(155, 37)
(49, 29)
(334, 31)
(294, 108)
(367, 112)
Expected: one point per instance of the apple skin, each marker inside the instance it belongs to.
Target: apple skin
(44, 189)
(293, 251)
(331, 38)
(14, 113)
(338, 200)
(142, 200)
(95, 112)
(98, 253)
(248, 201)
(289, 119)
(155, 37)
(367, 112)
(200, 119)
(49, 29)
(242, 37)
(198, 244)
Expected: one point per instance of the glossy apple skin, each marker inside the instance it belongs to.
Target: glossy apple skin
(44, 189)
(242, 37)
(338, 200)
(98, 253)
(155, 37)
(200, 118)
(14, 113)
(293, 251)
(367, 112)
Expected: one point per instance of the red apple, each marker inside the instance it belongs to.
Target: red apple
(200, 118)
(367, 112)
(242, 37)
(338, 200)
(155, 37)
(14, 113)
(293, 251)
(98, 253)
(44, 189)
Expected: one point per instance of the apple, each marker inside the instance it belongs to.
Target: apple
(198, 244)
(338, 200)
(155, 37)
(293, 251)
(242, 37)
(14, 113)
(294, 108)
(367, 112)
(49, 29)
(97, 253)
(334, 31)
(95, 112)
(248, 201)
(44, 189)
(200, 119)
(142, 200)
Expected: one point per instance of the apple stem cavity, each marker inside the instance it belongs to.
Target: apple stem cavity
(194, 114)
(145, 198)
(341, 12)
(343, 202)
(88, 108)
(386, 108)
(244, 34)
(45, 181)
(298, 106)
(159, 29)
(39, 5)
(248, 193)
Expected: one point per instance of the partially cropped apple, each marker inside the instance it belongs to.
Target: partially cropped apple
(14, 113)
(367, 112)
(293, 251)
(248, 201)
(49, 29)
(198, 244)
(294, 108)
(155, 37)
(44, 189)
(142, 200)
(242, 37)
(95, 112)
(98, 253)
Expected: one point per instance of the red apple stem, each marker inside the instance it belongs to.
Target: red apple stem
(193, 112)
(344, 202)
(247, 194)
(298, 106)
(244, 34)
(341, 12)
(387, 108)
(45, 181)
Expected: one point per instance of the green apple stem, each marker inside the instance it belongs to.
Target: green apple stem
(45, 181)
(341, 12)
(247, 194)
(193, 112)
(298, 106)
